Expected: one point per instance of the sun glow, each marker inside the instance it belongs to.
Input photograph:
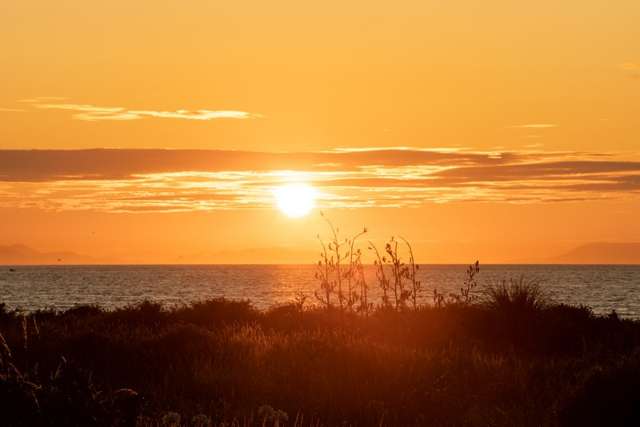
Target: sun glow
(295, 200)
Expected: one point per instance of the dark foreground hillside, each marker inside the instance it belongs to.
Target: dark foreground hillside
(503, 362)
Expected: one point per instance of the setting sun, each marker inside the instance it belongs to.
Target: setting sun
(295, 200)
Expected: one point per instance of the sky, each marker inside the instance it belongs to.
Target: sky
(157, 131)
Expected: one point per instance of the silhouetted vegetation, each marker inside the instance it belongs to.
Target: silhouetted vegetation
(509, 357)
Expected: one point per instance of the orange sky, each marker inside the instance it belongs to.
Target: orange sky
(519, 126)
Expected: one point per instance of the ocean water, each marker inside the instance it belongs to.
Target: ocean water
(602, 287)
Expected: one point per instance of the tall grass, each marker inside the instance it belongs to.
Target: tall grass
(516, 295)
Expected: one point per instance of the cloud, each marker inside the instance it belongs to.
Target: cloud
(197, 115)
(12, 110)
(630, 66)
(191, 180)
(395, 148)
(51, 165)
(632, 69)
(42, 99)
(542, 170)
(90, 113)
(535, 126)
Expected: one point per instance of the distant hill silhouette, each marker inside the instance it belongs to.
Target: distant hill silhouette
(591, 253)
(601, 253)
(266, 255)
(21, 255)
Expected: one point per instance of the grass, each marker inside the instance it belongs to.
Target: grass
(508, 358)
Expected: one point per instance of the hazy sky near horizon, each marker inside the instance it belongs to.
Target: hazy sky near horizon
(498, 130)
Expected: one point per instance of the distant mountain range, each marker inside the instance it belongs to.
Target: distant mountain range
(601, 253)
(270, 255)
(591, 253)
(21, 254)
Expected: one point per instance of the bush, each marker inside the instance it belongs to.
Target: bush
(516, 296)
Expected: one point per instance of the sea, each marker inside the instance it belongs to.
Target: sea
(603, 288)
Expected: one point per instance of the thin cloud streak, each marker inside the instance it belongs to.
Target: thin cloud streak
(42, 99)
(88, 112)
(92, 113)
(535, 126)
(630, 66)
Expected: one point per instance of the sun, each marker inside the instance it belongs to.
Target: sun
(295, 200)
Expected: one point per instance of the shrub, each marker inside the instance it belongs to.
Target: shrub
(516, 296)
